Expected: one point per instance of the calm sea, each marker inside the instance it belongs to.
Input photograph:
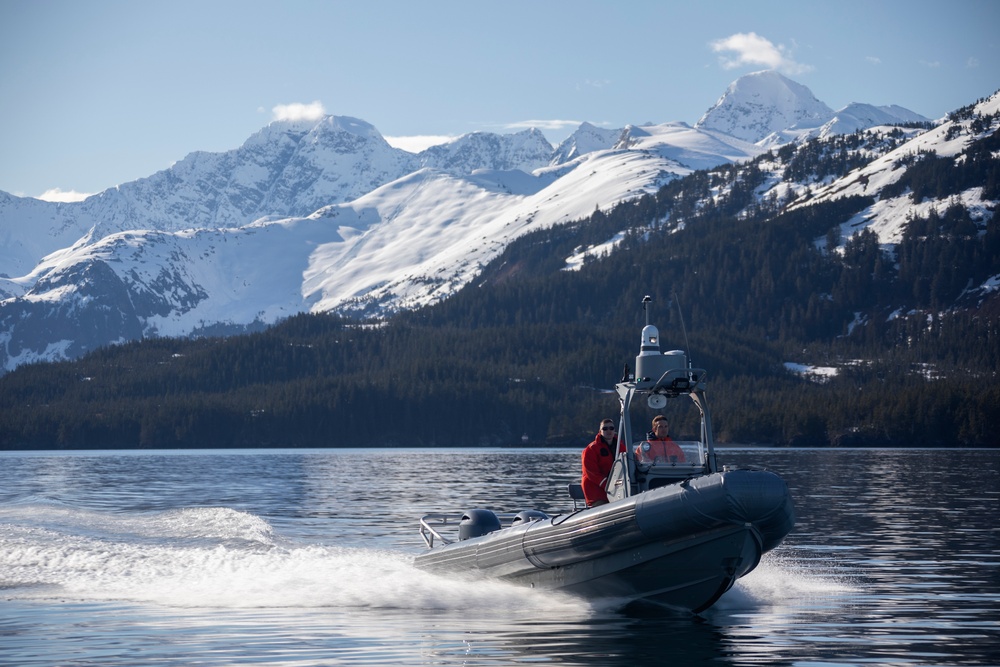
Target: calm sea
(294, 557)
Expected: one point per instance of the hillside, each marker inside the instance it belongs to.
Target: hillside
(871, 260)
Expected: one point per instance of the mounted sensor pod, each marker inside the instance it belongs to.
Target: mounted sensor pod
(650, 365)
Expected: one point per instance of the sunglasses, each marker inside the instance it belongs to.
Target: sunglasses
(608, 428)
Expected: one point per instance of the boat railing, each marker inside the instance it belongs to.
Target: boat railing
(430, 523)
(477, 522)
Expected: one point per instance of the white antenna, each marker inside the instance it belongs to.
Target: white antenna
(687, 346)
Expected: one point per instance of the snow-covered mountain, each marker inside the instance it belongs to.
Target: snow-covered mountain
(327, 216)
(757, 105)
(526, 151)
(770, 109)
(888, 215)
(285, 169)
(884, 154)
(853, 117)
(587, 139)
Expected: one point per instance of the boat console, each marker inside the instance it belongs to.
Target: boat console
(650, 474)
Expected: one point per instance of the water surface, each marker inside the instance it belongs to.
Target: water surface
(296, 557)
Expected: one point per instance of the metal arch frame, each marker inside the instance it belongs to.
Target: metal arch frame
(666, 386)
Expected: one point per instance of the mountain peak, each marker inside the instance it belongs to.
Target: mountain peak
(280, 130)
(526, 150)
(350, 125)
(759, 104)
(587, 139)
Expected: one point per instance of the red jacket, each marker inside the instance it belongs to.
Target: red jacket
(597, 459)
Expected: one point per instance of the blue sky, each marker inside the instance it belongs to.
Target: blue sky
(94, 93)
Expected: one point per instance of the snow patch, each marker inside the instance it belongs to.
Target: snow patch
(575, 261)
(818, 374)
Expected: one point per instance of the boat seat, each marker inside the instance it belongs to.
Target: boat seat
(576, 493)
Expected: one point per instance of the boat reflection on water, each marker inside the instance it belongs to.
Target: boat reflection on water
(611, 640)
(676, 533)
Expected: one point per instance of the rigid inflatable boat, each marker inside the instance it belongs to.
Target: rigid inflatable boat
(677, 533)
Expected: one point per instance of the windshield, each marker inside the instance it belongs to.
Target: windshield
(669, 453)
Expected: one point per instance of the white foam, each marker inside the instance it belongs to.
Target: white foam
(219, 558)
(229, 577)
(780, 579)
(193, 523)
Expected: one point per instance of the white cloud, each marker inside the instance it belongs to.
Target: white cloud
(873, 60)
(299, 111)
(972, 63)
(63, 196)
(418, 143)
(749, 48)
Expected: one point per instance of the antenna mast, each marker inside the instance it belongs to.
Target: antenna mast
(680, 312)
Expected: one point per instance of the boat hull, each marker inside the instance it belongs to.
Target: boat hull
(681, 545)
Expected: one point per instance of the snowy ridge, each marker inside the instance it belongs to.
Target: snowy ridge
(527, 151)
(587, 139)
(888, 216)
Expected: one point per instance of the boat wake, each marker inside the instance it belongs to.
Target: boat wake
(223, 558)
(780, 579)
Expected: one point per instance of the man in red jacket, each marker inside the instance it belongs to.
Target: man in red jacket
(597, 459)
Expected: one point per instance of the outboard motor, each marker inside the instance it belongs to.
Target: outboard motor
(527, 516)
(476, 523)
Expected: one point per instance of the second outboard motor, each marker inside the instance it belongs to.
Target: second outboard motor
(527, 516)
(476, 523)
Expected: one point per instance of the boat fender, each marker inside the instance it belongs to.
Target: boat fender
(476, 523)
(527, 516)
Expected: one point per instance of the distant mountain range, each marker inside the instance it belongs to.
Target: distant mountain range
(328, 217)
